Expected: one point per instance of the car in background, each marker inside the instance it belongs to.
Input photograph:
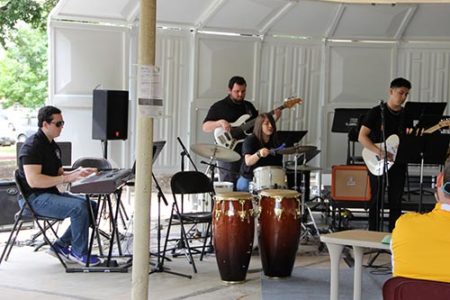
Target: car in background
(7, 131)
(25, 128)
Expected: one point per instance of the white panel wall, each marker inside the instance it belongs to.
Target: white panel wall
(83, 57)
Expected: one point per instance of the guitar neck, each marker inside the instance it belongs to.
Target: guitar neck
(251, 123)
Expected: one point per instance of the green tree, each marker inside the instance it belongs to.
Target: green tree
(33, 12)
(23, 70)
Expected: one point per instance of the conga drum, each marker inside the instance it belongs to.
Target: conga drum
(279, 231)
(233, 232)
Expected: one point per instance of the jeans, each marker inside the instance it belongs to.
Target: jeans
(242, 184)
(64, 206)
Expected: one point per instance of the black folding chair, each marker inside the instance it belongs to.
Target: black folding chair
(27, 214)
(189, 183)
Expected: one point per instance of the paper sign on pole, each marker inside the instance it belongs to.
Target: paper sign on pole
(150, 100)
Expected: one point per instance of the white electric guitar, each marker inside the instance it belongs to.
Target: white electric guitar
(375, 163)
(240, 128)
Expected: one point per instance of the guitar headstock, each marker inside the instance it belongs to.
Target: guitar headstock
(290, 102)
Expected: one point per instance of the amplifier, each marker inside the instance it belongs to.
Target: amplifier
(8, 204)
(350, 182)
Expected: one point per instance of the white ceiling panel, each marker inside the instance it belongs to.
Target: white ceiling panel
(244, 15)
(371, 21)
(430, 22)
(182, 12)
(307, 18)
(101, 10)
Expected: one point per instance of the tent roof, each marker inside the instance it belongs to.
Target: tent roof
(296, 18)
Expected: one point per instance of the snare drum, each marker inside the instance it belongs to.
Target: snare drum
(223, 186)
(269, 177)
(233, 231)
(279, 231)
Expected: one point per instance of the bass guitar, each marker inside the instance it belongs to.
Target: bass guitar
(375, 163)
(241, 128)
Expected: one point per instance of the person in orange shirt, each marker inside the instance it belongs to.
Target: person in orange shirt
(421, 242)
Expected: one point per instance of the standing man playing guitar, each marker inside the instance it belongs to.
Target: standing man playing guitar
(227, 111)
(371, 132)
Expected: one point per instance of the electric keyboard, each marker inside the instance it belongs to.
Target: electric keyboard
(103, 182)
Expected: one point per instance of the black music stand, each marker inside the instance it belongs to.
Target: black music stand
(290, 137)
(414, 111)
(430, 149)
(346, 120)
(159, 265)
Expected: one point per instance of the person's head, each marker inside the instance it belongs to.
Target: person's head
(443, 184)
(265, 127)
(399, 91)
(237, 88)
(50, 121)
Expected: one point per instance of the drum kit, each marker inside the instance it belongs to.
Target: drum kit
(277, 209)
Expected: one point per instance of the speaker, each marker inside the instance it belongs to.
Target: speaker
(350, 182)
(8, 203)
(110, 115)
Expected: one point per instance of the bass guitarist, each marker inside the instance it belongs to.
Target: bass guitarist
(392, 115)
(226, 111)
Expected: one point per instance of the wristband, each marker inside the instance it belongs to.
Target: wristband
(258, 154)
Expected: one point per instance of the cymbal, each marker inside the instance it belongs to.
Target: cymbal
(296, 149)
(215, 151)
(303, 168)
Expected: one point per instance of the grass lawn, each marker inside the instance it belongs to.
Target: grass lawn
(8, 151)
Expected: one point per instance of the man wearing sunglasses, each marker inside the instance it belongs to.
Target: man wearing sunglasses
(421, 242)
(40, 172)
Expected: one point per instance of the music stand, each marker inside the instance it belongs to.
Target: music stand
(346, 120)
(414, 111)
(159, 266)
(430, 149)
(290, 137)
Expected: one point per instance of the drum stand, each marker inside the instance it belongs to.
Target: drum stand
(309, 228)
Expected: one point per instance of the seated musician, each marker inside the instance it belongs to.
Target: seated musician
(256, 150)
(40, 172)
(421, 242)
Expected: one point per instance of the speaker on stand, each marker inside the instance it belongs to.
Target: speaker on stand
(109, 116)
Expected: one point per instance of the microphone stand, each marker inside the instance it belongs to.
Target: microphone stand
(185, 153)
(384, 176)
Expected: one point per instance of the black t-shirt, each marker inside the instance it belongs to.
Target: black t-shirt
(250, 146)
(38, 150)
(394, 122)
(231, 111)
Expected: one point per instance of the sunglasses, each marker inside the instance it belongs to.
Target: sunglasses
(446, 188)
(58, 124)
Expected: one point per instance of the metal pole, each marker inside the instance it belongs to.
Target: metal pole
(144, 149)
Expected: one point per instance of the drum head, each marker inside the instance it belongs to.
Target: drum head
(267, 169)
(233, 196)
(280, 193)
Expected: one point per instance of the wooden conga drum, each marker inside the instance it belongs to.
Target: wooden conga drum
(279, 231)
(233, 232)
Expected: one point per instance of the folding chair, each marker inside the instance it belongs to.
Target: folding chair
(27, 214)
(189, 183)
